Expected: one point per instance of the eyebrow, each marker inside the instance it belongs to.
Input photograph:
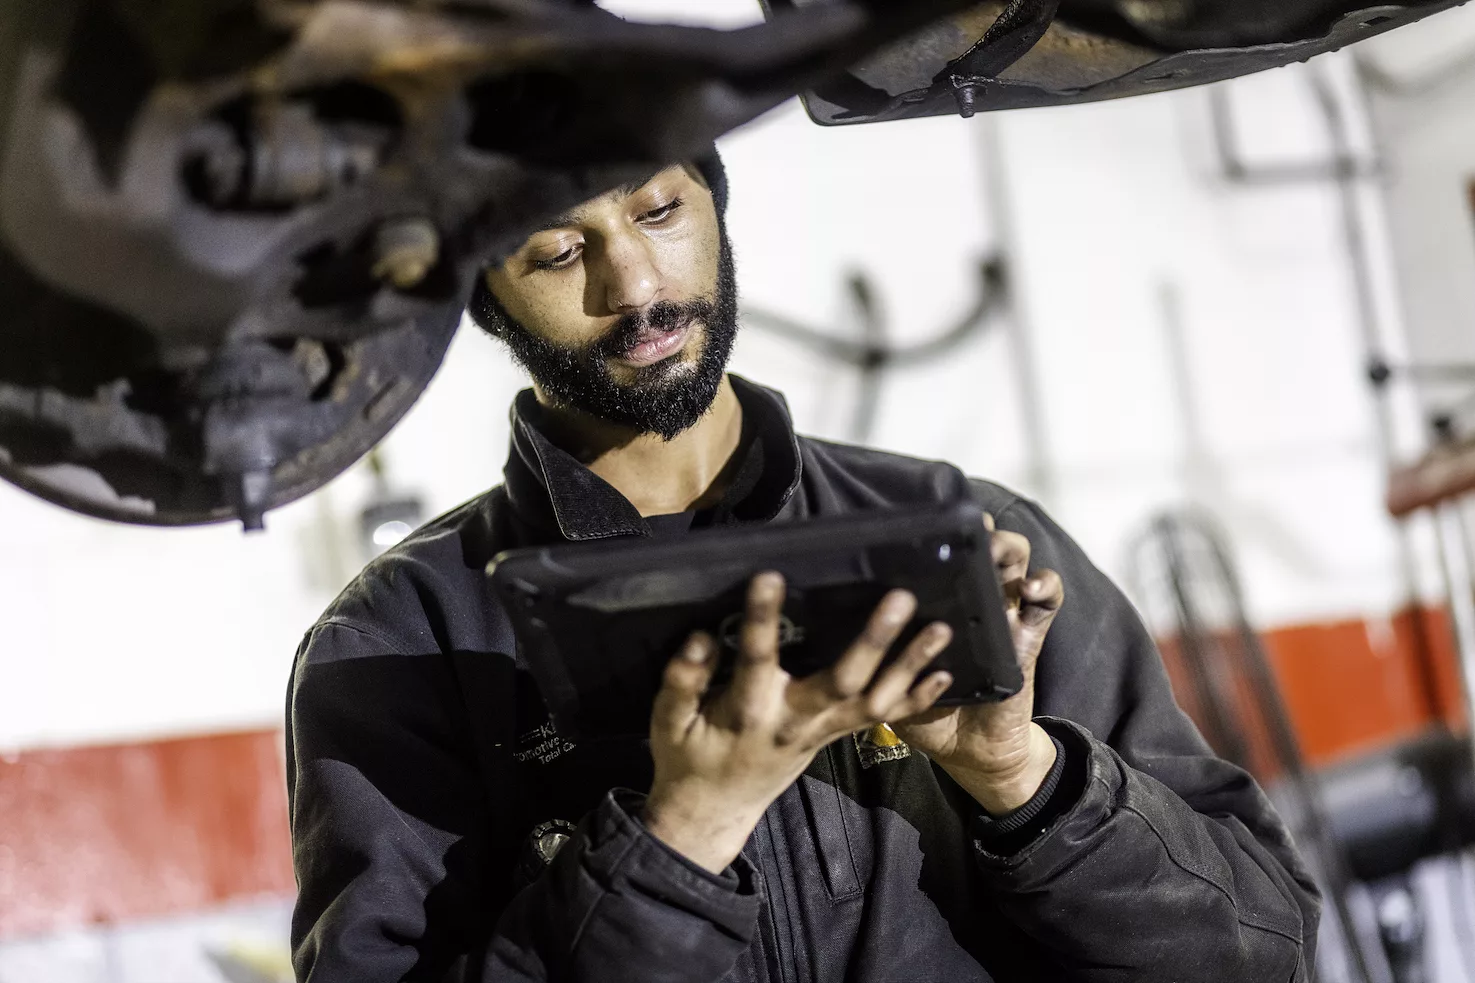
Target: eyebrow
(566, 219)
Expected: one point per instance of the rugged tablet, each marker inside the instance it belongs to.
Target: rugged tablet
(597, 622)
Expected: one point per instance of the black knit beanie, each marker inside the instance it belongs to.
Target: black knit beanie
(716, 176)
(712, 171)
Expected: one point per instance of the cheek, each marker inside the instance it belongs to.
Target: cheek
(690, 263)
(553, 309)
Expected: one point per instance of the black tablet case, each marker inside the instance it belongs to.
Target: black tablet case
(597, 622)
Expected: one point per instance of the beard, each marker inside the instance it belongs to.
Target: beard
(666, 398)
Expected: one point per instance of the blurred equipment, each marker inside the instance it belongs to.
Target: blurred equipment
(1019, 53)
(1443, 482)
(388, 516)
(237, 235)
(1362, 825)
(1182, 570)
(1402, 804)
(872, 354)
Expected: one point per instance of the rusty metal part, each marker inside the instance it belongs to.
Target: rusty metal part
(1017, 29)
(1091, 50)
(236, 236)
(405, 250)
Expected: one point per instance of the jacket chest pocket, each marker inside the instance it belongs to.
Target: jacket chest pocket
(827, 830)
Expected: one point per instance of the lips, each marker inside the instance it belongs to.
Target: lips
(654, 345)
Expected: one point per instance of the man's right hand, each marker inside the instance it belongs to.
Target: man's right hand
(720, 763)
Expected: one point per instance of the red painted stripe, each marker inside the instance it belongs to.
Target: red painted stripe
(101, 834)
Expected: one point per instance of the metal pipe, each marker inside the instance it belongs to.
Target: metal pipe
(872, 354)
(1039, 471)
(1454, 559)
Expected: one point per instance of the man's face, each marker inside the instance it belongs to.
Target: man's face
(624, 308)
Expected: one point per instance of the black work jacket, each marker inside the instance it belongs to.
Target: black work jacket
(422, 766)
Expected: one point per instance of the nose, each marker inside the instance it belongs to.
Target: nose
(631, 279)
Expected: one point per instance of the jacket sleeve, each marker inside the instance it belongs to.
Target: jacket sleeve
(1169, 863)
(405, 869)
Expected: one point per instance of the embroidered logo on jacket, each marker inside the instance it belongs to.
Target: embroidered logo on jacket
(879, 744)
(542, 744)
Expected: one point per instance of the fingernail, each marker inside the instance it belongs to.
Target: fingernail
(695, 651)
(942, 680)
(898, 606)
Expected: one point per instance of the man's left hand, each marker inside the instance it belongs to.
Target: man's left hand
(996, 751)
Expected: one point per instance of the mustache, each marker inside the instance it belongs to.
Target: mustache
(661, 317)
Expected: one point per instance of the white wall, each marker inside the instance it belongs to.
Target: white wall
(1272, 426)
(1422, 84)
(110, 633)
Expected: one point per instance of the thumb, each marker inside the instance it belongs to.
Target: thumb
(683, 685)
(1040, 599)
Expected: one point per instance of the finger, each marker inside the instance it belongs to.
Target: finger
(765, 603)
(1012, 590)
(852, 674)
(988, 521)
(1041, 597)
(1010, 553)
(891, 688)
(922, 697)
(758, 648)
(683, 685)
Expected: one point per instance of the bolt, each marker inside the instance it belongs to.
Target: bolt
(1443, 425)
(405, 250)
(964, 92)
(253, 495)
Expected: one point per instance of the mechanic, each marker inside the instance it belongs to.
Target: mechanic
(780, 830)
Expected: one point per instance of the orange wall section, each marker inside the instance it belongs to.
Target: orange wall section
(1350, 686)
(1355, 685)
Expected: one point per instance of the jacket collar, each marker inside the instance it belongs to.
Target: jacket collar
(550, 488)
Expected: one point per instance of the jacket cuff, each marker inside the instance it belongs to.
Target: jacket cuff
(999, 840)
(1010, 833)
(730, 900)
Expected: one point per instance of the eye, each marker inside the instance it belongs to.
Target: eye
(658, 215)
(566, 258)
